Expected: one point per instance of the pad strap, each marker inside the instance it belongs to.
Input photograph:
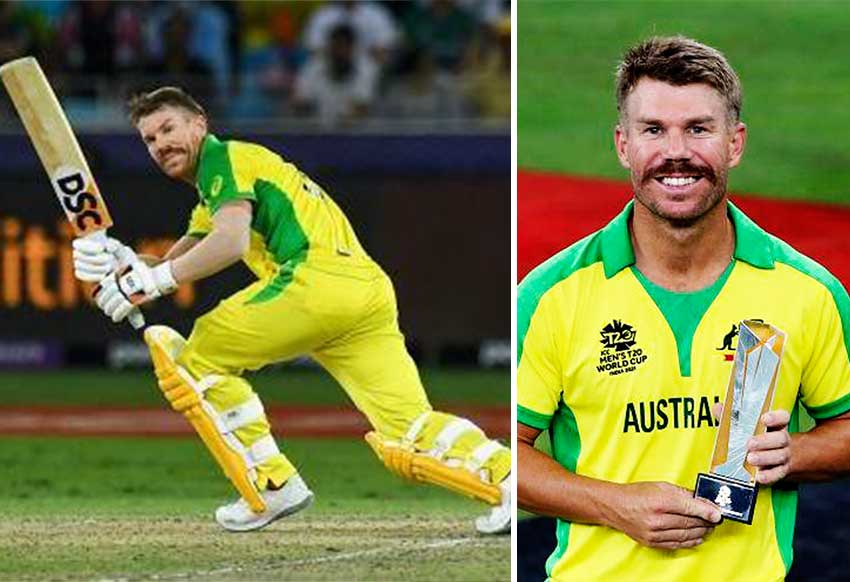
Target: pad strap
(449, 435)
(481, 455)
(249, 411)
(206, 383)
(261, 451)
(199, 386)
(415, 428)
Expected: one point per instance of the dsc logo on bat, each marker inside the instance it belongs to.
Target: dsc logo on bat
(78, 196)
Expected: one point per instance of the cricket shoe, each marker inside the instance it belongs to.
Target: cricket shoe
(291, 498)
(498, 521)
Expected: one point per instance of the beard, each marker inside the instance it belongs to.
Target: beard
(717, 181)
(165, 163)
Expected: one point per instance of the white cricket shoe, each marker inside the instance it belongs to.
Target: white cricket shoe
(498, 521)
(291, 498)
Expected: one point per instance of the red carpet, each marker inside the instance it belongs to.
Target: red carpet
(554, 211)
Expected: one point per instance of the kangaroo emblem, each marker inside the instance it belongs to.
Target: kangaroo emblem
(727, 339)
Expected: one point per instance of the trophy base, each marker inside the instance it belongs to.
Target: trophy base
(736, 500)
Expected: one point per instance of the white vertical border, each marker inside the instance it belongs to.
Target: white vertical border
(513, 282)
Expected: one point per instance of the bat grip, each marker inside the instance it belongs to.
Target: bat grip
(136, 319)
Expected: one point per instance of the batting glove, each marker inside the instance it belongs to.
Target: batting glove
(94, 260)
(119, 293)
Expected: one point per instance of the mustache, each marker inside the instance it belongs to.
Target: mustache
(168, 152)
(680, 167)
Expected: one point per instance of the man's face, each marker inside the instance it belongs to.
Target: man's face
(173, 137)
(678, 143)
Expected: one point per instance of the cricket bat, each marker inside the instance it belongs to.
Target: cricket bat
(59, 152)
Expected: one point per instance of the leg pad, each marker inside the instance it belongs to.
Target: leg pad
(184, 394)
(423, 468)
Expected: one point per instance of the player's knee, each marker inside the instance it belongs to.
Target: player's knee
(175, 382)
(220, 387)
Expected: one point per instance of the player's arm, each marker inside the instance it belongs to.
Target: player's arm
(200, 224)
(822, 453)
(183, 245)
(223, 246)
(139, 283)
(655, 514)
(195, 258)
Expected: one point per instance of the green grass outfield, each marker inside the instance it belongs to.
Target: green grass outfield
(791, 57)
(136, 508)
(290, 385)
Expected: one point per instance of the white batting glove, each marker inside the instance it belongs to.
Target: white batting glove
(94, 260)
(111, 301)
(119, 293)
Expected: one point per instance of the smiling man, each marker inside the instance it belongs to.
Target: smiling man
(318, 293)
(617, 339)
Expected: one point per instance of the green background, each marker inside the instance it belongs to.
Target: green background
(792, 58)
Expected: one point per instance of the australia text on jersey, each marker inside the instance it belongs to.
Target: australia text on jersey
(675, 412)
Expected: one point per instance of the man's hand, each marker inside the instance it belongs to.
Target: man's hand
(94, 260)
(662, 515)
(137, 284)
(769, 452)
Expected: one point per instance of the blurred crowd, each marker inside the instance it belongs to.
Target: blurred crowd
(337, 63)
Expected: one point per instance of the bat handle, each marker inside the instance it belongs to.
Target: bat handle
(136, 319)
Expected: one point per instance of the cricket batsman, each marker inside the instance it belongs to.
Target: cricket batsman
(317, 293)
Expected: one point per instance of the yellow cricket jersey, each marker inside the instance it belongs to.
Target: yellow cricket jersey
(294, 220)
(623, 373)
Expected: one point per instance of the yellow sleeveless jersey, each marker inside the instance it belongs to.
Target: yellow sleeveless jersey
(623, 375)
(294, 220)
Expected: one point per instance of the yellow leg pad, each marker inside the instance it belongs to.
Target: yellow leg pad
(185, 399)
(425, 469)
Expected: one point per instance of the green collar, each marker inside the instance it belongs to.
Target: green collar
(752, 244)
(210, 141)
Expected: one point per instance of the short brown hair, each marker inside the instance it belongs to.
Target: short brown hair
(144, 104)
(679, 61)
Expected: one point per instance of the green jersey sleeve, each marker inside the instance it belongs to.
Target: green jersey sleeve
(538, 376)
(825, 383)
(224, 177)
